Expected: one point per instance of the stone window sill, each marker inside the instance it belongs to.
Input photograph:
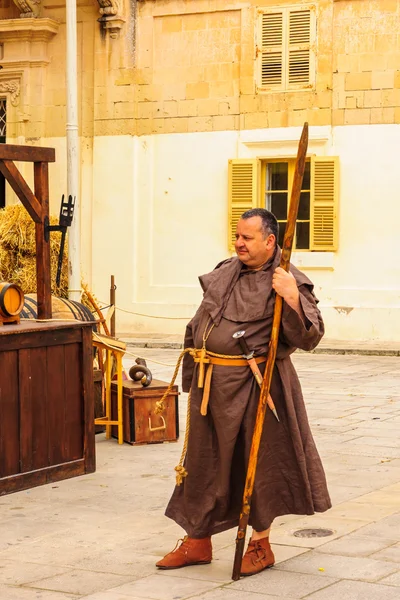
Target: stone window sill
(313, 260)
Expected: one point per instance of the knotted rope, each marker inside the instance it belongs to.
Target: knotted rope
(181, 472)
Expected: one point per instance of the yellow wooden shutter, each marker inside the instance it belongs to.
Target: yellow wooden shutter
(243, 192)
(324, 202)
(299, 48)
(271, 51)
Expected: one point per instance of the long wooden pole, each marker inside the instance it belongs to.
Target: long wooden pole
(262, 404)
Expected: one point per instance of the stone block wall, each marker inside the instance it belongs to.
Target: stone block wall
(195, 67)
(366, 62)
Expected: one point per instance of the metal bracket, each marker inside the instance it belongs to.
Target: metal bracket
(65, 219)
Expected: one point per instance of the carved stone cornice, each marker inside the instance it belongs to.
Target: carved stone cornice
(29, 8)
(28, 30)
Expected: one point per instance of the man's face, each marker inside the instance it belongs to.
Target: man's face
(251, 247)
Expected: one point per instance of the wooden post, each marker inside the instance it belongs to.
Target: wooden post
(112, 302)
(43, 268)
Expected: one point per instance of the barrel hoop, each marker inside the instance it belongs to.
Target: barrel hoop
(85, 311)
(28, 309)
(67, 303)
(78, 307)
(2, 294)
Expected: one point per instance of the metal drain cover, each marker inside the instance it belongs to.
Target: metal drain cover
(313, 533)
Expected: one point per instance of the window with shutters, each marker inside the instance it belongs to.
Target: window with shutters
(278, 183)
(268, 184)
(286, 49)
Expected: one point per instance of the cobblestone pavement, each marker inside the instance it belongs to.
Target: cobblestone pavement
(98, 536)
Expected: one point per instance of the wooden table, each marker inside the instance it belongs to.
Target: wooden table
(46, 403)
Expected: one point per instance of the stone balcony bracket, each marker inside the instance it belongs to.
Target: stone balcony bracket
(112, 24)
(111, 19)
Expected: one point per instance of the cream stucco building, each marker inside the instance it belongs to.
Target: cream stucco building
(190, 112)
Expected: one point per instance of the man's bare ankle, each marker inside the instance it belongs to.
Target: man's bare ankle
(259, 535)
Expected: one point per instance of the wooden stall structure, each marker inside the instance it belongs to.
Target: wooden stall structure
(46, 368)
(37, 205)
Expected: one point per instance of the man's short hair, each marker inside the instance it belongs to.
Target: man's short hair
(269, 224)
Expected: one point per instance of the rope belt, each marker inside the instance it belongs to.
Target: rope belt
(234, 362)
(204, 358)
(206, 361)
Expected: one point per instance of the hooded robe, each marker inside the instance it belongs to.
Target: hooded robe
(290, 478)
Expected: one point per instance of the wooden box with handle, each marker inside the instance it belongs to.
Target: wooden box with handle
(140, 423)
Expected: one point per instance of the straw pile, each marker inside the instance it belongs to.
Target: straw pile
(18, 250)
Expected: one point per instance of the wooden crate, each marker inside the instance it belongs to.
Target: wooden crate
(138, 407)
(46, 403)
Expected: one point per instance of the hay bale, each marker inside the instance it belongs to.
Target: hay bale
(17, 230)
(18, 250)
(6, 264)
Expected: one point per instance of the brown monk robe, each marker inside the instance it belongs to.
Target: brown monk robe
(290, 477)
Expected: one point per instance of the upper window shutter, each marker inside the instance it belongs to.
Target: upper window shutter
(243, 192)
(271, 53)
(299, 53)
(324, 202)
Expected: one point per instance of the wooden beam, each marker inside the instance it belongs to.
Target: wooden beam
(27, 153)
(43, 267)
(22, 189)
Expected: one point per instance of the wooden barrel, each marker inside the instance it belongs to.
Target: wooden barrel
(11, 299)
(61, 307)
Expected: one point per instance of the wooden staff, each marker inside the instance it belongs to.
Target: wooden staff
(262, 404)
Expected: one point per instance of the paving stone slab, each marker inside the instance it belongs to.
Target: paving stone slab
(110, 595)
(387, 528)
(8, 592)
(162, 587)
(79, 582)
(219, 571)
(341, 493)
(226, 593)
(385, 497)
(364, 511)
(280, 583)
(356, 545)
(356, 590)
(393, 579)
(15, 573)
(389, 553)
(340, 567)
(118, 560)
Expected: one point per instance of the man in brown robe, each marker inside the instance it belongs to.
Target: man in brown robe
(240, 295)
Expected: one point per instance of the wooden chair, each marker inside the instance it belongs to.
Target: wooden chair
(117, 349)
